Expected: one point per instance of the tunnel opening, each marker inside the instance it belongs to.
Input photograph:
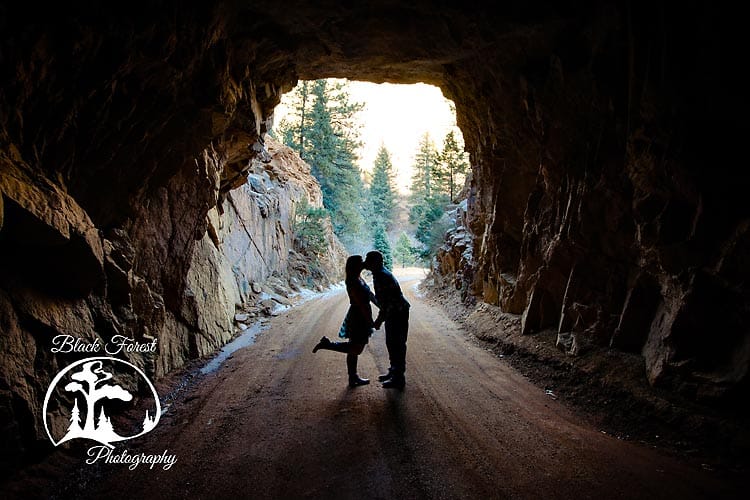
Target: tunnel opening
(389, 158)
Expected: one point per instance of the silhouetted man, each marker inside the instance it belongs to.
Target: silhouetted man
(394, 311)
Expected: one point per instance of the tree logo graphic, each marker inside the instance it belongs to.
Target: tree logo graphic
(94, 389)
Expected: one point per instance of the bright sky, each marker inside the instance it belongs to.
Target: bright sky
(397, 116)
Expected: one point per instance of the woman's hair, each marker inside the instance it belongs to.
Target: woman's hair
(353, 267)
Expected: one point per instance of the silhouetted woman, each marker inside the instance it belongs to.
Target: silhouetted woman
(357, 325)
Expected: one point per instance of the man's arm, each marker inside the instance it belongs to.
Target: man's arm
(389, 297)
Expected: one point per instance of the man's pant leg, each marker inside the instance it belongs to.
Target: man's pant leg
(396, 334)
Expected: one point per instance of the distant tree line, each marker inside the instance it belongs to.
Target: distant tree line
(322, 127)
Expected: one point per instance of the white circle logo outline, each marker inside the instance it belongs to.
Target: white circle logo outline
(65, 370)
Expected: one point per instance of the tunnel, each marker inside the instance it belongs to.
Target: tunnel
(608, 194)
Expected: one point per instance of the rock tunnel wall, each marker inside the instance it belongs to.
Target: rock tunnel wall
(605, 204)
(251, 241)
(121, 136)
(603, 138)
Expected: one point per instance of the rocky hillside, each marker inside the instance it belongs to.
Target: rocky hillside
(249, 260)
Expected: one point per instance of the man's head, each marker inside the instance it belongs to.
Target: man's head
(373, 261)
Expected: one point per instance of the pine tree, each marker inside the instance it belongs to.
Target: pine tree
(403, 252)
(382, 190)
(104, 425)
(383, 246)
(428, 201)
(149, 422)
(293, 129)
(321, 145)
(424, 163)
(430, 210)
(309, 229)
(450, 169)
(323, 129)
(75, 418)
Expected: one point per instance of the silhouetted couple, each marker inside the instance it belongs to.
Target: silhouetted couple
(358, 324)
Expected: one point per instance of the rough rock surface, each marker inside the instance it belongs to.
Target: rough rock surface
(60, 275)
(252, 242)
(454, 261)
(604, 206)
(603, 137)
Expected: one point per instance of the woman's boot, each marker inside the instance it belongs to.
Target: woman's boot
(351, 365)
(326, 344)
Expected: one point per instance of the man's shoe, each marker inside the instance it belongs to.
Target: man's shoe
(385, 376)
(393, 383)
(355, 381)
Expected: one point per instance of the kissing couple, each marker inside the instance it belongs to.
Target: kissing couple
(393, 310)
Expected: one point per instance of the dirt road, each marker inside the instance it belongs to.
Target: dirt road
(277, 421)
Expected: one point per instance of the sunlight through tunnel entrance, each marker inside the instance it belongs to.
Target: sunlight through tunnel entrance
(389, 158)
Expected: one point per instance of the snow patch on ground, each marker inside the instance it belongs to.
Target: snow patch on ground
(246, 339)
(306, 295)
(248, 336)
